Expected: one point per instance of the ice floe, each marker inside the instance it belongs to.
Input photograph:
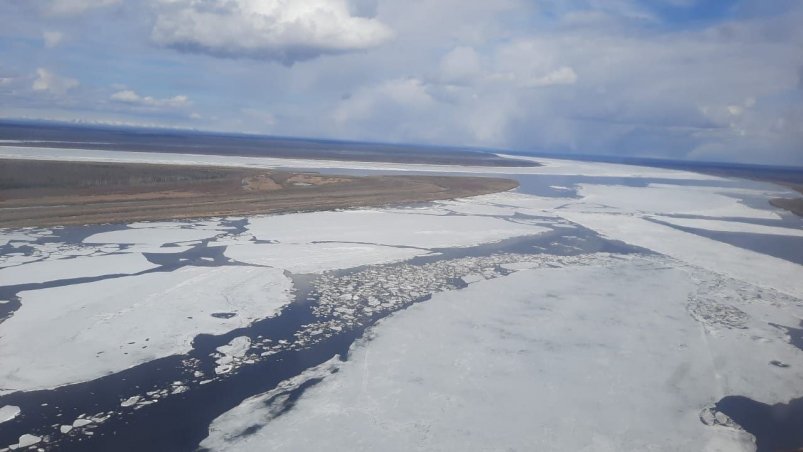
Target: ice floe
(728, 226)
(79, 267)
(739, 263)
(383, 228)
(597, 357)
(669, 200)
(131, 401)
(22, 235)
(153, 236)
(229, 354)
(83, 331)
(318, 257)
(8, 412)
(260, 409)
(27, 440)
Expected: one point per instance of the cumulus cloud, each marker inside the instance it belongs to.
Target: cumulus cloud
(279, 30)
(70, 7)
(711, 91)
(128, 96)
(52, 38)
(623, 77)
(52, 83)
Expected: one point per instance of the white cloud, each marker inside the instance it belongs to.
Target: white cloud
(395, 110)
(735, 110)
(284, 31)
(70, 7)
(461, 64)
(591, 76)
(52, 38)
(128, 96)
(561, 76)
(398, 94)
(52, 83)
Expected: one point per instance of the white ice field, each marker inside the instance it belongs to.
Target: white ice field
(603, 351)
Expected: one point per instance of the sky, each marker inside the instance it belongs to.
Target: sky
(713, 80)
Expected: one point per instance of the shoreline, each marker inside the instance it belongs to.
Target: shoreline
(61, 193)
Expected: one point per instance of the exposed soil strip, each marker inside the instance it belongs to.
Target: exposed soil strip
(50, 193)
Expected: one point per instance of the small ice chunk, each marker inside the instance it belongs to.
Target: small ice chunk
(80, 422)
(28, 440)
(65, 429)
(235, 349)
(99, 419)
(472, 278)
(130, 401)
(8, 412)
(180, 389)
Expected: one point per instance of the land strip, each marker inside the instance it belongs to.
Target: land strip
(794, 205)
(54, 135)
(50, 193)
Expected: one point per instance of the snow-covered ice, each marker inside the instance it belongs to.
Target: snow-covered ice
(739, 263)
(375, 226)
(153, 235)
(669, 200)
(595, 351)
(79, 267)
(81, 422)
(577, 358)
(75, 333)
(319, 257)
(550, 166)
(21, 235)
(27, 440)
(230, 352)
(729, 226)
(130, 401)
(8, 412)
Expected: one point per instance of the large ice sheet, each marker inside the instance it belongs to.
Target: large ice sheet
(668, 200)
(549, 166)
(766, 189)
(21, 235)
(585, 358)
(739, 263)
(415, 228)
(152, 236)
(507, 202)
(729, 226)
(79, 267)
(75, 333)
(318, 257)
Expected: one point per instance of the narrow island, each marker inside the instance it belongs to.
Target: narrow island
(794, 205)
(51, 193)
